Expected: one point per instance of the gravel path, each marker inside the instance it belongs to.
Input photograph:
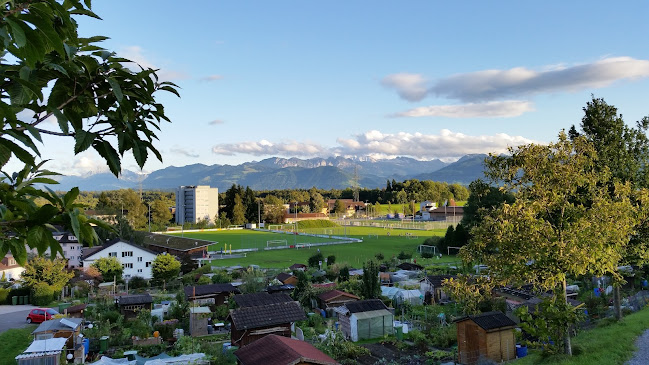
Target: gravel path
(641, 356)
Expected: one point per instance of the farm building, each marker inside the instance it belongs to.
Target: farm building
(365, 319)
(252, 323)
(130, 305)
(486, 336)
(431, 286)
(278, 350)
(211, 294)
(335, 298)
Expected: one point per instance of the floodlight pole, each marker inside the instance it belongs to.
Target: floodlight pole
(149, 217)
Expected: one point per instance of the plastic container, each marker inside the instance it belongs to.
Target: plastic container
(103, 343)
(21, 299)
(86, 346)
(336, 324)
(398, 332)
(521, 351)
(14, 300)
(63, 307)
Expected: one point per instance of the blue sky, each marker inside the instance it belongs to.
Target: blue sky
(425, 79)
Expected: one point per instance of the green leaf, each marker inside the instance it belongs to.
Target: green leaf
(17, 32)
(117, 90)
(171, 90)
(70, 197)
(139, 152)
(18, 151)
(63, 121)
(44, 214)
(85, 12)
(5, 155)
(83, 140)
(109, 154)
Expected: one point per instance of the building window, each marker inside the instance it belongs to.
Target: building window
(139, 270)
(148, 264)
(112, 254)
(127, 254)
(127, 266)
(139, 259)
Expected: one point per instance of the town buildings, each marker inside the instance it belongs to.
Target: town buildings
(135, 260)
(195, 203)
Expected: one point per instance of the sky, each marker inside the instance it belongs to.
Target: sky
(422, 79)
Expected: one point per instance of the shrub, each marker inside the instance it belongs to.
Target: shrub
(204, 280)
(221, 311)
(419, 339)
(4, 294)
(166, 328)
(314, 260)
(379, 256)
(81, 289)
(331, 259)
(112, 316)
(404, 256)
(43, 294)
(443, 337)
(138, 282)
(221, 277)
(427, 255)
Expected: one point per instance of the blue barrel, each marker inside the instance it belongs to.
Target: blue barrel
(645, 283)
(86, 346)
(336, 326)
(597, 292)
(323, 313)
(521, 351)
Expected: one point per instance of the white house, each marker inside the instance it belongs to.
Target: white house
(135, 260)
(71, 248)
(9, 268)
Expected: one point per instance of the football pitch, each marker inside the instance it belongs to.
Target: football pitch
(375, 240)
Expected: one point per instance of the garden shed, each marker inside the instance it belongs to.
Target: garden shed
(485, 336)
(252, 323)
(130, 305)
(365, 319)
(50, 351)
(278, 350)
(198, 318)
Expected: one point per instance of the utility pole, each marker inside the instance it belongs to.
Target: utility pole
(259, 212)
(149, 217)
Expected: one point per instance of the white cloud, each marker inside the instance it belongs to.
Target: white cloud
(411, 87)
(492, 109)
(264, 147)
(137, 55)
(489, 85)
(216, 122)
(445, 145)
(86, 163)
(184, 152)
(212, 78)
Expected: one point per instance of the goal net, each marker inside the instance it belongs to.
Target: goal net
(372, 236)
(276, 243)
(427, 249)
(275, 227)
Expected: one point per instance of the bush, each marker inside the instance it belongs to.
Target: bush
(222, 311)
(4, 294)
(81, 289)
(427, 255)
(166, 328)
(331, 259)
(419, 339)
(443, 337)
(204, 280)
(43, 294)
(138, 282)
(379, 256)
(404, 256)
(221, 277)
(112, 316)
(314, 260)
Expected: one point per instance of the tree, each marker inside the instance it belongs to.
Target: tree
(136, 210)
(273, 209)
(315, 259)
(250, 203)
(564, 222)
(238, 212)
(44, 270)
(109, 267)
(316, 203)
(165, 268)
(371, 288)
(339, 207)
(344, 274)
(48, 72)
(253, 281)
(160, 213)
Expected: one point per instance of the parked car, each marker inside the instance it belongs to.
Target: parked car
(38, 315)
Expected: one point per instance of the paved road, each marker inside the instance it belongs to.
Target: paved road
(13, 316)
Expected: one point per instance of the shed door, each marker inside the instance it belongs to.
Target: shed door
(472, 343)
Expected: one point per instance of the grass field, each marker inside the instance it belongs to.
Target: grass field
(610, 345)
(353, 253)
(14, 342)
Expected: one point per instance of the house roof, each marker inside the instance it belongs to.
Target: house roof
(437, 280)
(262, 298)
(329, 295)
(324, 285)
(297, 266)
(76, 308)
(174, 242)
(409, 266)
(134, 299)
(59, 324)
(200, 290)
(4, 263)
(490, 320)
(279, 350)
(267, 315)
(283, 276)
(365, 305)
(90, 251)
(279, 288)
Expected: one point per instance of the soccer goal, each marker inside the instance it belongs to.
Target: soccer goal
(372, 236)
(457, 249)
(276, 243)
(427, 248)
(275, 227)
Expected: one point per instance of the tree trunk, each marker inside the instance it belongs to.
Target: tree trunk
(617, 305)
(566, 334)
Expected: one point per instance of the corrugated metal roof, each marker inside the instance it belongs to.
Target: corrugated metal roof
(372, 314)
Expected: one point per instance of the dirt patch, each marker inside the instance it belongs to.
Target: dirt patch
(389, 353)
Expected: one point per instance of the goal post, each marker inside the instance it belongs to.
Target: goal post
(372, 236)
(274, 227)
(427, 248)
(454, 248)
(276, 243)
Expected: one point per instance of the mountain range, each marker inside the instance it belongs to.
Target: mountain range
(288, 173)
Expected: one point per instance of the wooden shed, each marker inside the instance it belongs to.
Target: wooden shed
(485, 336)
(252, 323)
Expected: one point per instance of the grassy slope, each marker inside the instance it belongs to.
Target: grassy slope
(14, 342)
(354, 254)
(609, 345)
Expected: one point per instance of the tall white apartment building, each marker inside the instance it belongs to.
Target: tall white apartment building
(194, 203)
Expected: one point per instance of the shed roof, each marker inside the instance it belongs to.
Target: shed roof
(490, 320)
(365, 305)
(373, 314)
(199, 310)
(51, 346)
(267, 315)
(279, 350)
(283, 276)
(199, 290)
(262, 298)
(409, 266)
(437, 280)
(59, 324)
(134, 299)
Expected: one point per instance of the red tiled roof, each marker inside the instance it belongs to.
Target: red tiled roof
(326, 296)
(278, 350)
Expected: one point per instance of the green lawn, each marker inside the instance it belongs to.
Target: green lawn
(354, 253)
(609, 345)
(14, 342)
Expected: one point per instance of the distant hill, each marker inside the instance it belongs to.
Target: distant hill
(463, 171)
(288, 173)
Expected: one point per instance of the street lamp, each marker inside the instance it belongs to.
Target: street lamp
(149, 204)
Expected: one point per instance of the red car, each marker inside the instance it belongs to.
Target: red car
(39, 315)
